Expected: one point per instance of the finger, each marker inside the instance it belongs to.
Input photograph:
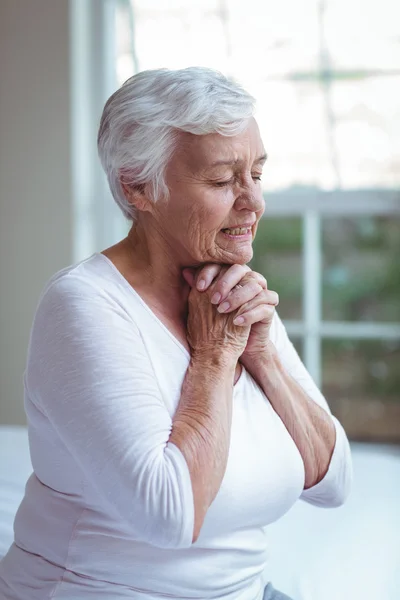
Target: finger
(241, 294)
(264, 297)
(206, 275)
(261, 313)
(271, 297)
(227, 281)
(260, 279)
(189, 276)
(246, 291)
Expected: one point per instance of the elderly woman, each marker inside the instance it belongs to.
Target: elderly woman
(170, 418)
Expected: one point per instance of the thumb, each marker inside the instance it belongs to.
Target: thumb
(189, 276)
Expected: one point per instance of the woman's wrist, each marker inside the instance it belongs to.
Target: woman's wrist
(215, 360)
(260, 359)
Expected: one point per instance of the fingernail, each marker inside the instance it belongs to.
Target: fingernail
(201, 284)
(238, 320)
(224, 307)
(216, 298)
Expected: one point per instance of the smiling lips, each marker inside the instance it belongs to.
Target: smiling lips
(238, 231)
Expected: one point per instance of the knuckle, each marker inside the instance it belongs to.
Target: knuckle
(223, 284)
(259, 277)
(257, 287)
(210, 271)
(255, 276)
(264, 281)
(274, 297)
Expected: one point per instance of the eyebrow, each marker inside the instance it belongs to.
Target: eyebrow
(260, 160)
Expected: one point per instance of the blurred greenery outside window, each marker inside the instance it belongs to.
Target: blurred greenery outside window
(326, 77)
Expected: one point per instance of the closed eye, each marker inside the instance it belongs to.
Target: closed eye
(229, 181)
(222, 183)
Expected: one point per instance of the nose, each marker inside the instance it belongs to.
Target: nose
(250, 198)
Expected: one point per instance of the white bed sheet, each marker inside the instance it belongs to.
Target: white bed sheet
(349, 553)
(15, 468)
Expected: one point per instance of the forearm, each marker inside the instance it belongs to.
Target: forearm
(310, 426)
(201, 428)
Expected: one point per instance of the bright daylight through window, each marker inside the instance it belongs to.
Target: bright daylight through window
(329, 113)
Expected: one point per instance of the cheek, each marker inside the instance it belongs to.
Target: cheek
(212, 215)
(226, 199)
(200, 219)
(218, 208)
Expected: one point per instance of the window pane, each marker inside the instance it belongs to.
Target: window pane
(298, 344)
(363, 35)
(366, 131)
(342, 134)
(361, 381)
(278, 256)
(124, 43)
(292, 120)
(212, 33)
(361, 276)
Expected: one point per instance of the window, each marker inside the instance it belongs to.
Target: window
(326, 78)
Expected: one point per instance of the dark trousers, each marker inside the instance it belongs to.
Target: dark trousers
(270, 593)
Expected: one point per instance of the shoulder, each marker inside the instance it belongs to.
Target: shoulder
(80, 320)
(68, 295)
(84, 287)
(79, 305)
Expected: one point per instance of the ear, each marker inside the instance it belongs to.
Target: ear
(189, 276)
(136, 195)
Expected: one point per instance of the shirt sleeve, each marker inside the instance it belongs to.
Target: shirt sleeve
(89, 373)
(334, 488)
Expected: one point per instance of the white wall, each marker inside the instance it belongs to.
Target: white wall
(36, 212)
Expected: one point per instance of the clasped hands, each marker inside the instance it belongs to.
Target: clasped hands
(242, 293)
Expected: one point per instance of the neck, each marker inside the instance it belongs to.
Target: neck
(158, 271)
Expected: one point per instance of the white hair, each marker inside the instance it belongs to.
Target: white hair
(141, 121)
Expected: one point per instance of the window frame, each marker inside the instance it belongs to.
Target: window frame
(97, 219)
(312, 206)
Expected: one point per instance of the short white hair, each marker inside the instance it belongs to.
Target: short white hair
(141, 121)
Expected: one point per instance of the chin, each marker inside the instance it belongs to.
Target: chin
(245, 260)
(247, 254)
(241, 258)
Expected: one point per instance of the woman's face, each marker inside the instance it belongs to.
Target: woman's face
(215, 199)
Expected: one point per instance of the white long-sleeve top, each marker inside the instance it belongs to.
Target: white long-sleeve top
(108, 511)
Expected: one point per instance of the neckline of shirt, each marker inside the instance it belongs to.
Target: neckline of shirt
(132, 290)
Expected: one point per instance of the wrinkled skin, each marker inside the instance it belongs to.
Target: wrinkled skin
(241, 293)
(207, 199)
(214, 183)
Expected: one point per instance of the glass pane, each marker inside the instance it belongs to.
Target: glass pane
(361, 275)
(286, 108)
(278, 256)
(292, 120)
(211, 33)
(366, 131)
(363, 35)
(298, 344)
(342, 134)
(361, 381)
(125, 52)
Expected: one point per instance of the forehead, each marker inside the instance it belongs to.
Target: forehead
(199, 152)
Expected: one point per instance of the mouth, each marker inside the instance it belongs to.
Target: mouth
(240, 232)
